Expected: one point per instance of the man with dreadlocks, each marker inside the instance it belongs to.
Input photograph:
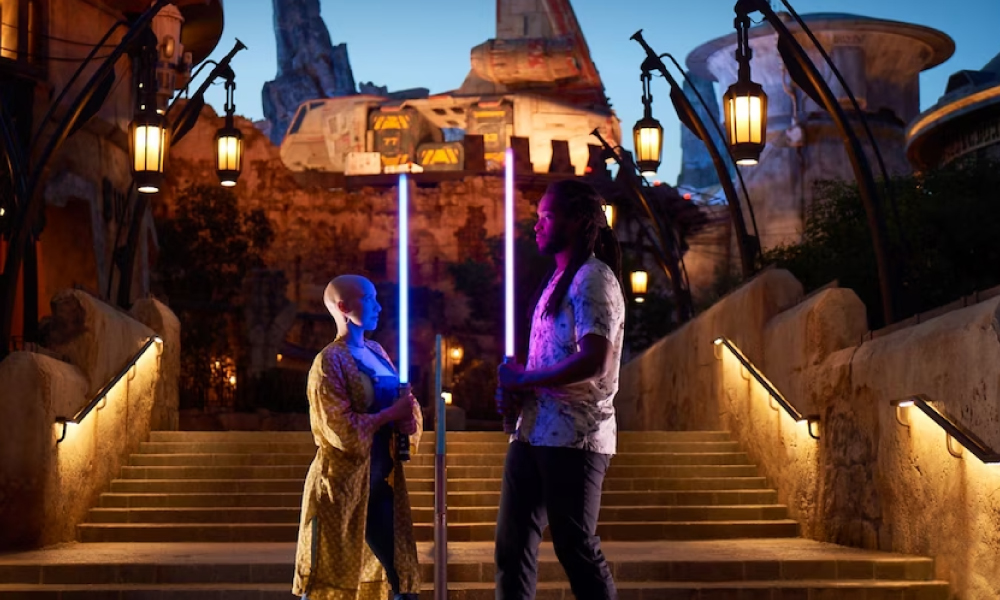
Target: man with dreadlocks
(566, 434)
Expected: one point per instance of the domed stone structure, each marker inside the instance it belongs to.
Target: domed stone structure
(881, 61)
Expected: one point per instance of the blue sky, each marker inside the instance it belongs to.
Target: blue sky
(403, 44)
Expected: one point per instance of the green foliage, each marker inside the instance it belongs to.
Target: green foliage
(474, 389)
(206, 251)
(209, 246)
(482, 283)
(944, 237)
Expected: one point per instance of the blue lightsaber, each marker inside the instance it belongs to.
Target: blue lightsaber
(403, 441)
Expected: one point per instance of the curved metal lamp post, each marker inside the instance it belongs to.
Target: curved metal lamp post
(229, 154)
(666, 247)
(26, 220)
(149, 140)
(807, 77)
(748, 245)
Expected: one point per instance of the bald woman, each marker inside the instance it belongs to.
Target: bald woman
(356, 533)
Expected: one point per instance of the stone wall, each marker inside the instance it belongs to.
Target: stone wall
(868, 481)
(322, 232)
(46, 487)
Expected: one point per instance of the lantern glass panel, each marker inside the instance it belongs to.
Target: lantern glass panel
(640, 282)
(229, 155)
(745, 106)
(648, 138)
(149, 140)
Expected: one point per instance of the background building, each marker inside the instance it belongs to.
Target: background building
(87, 184)
(881, 62)
(964, 122)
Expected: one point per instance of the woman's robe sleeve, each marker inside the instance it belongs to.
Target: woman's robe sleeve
(343, 426)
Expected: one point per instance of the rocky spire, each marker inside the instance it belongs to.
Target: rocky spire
(309, 65)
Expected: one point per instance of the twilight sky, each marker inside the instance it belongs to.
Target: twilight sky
(404, 44)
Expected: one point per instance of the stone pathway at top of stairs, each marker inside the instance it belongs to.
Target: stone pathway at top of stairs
(199, 515)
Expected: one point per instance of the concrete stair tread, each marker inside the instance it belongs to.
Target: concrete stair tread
(153, 459)
(722, 585)
(424, 514)
(456, 436)
(468, 585)
(452, 524)
(228, 472)
(253, 553)
(419, 499)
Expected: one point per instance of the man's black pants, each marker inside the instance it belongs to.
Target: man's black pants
(560, 487)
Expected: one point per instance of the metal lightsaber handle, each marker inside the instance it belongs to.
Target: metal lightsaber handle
(510, 413)
(402, 440)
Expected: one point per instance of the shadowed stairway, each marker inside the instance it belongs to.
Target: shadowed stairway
(200, 515)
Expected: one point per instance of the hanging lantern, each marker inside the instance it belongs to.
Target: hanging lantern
(745, 106)
(148, 141)
(609, 214)
(647, 133)
(457, 353)
(229, 144)
(149, 133)
(229, 154)
(746, 121)
(640, 281)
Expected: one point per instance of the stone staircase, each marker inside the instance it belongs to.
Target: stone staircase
(685, 515)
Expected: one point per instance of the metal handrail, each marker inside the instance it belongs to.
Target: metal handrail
(767, 385)
(440, 481)
(103, 392)
(955, 431)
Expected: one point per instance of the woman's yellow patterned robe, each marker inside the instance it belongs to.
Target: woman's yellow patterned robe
(332, 560)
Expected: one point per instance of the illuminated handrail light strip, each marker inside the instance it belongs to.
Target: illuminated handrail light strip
(103, 392)
(767, 385)
(960, 434)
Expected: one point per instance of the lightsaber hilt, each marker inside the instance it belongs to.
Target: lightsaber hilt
(402, 440)
(510, 412)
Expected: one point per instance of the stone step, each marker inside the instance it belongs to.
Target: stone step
(453, 436)
(426, 447)
(218, 486)
(425, 460)
(629, 514)
(676, 561)
(458, 532)
(205, 500)
(617, 531)
(456, 516)
(615, 471)
(290, 485)
(841, 590)
(426, 499)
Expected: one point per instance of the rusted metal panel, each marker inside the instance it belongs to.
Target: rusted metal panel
(475, 157)
(398, 132)
(495, 122)
(441, 156)
(526, 61)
